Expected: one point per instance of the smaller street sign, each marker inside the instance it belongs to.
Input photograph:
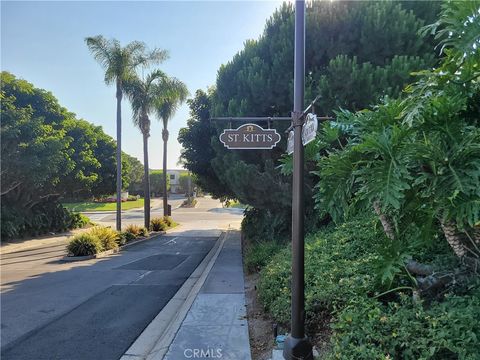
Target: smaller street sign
(290, 142)
(250, 137)
(309, 130)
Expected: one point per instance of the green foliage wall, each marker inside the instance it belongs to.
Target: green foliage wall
(197, 152)
(416, 160)
(48, 154)
(356, 53)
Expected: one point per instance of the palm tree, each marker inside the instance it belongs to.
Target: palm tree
(176, 94)
(144, 95)
(120, 63)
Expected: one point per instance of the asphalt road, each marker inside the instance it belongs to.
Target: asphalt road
(97, 308)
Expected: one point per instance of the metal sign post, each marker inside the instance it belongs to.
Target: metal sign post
(297, 345)
(250, 136)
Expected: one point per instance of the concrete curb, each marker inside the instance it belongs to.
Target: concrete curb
(89, 257)
(110, 252)
(155, 340)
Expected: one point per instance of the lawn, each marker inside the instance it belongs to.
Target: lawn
(94, 206)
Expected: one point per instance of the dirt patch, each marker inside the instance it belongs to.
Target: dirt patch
(260, 326)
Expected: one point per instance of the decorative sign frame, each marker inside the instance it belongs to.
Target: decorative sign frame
(250, 137)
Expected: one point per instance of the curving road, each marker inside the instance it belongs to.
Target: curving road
(95, 309)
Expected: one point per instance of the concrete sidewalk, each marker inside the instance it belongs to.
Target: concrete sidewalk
(215, 326)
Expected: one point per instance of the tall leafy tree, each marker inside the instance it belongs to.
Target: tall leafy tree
(176, 94)
(197, 153)
(356, 53)
(135, 173)
(119, 63)
(35, 131)
(156, 182)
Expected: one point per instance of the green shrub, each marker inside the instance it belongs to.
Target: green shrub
(158, 224)
(259, 254)
(122, 239)
(84, 244)
(44, 217)
(189, 202)
(126, 237)
(262, 225)
(168, 221)
(79, 221)
(369, 330)
(143, 231)
(108, 237)
(133, 229)
(339, 264)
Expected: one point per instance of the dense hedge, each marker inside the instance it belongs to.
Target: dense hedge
(339, 264)
(407, 329)
(42, 218)
(343, 280)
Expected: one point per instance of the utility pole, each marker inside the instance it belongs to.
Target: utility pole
(297, 346)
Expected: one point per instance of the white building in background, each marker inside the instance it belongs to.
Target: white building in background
(174, 176)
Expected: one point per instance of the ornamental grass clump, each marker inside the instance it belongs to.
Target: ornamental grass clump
(109, 238)
(144, 231)
(169, 221)
(84, 244)
(133, 229)
(158, 224)
(136, 230)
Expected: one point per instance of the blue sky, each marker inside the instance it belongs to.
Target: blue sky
(43, 42)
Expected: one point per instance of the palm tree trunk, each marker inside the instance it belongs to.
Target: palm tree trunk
(165, 195)
(387, 226)
(146, 183)
(453, 237)
(476, 234)
(119, 156)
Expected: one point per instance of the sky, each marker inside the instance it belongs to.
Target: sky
(43, 43)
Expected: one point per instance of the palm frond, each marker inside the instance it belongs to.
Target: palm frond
(101, 51)
(120, 62)
(172, 93)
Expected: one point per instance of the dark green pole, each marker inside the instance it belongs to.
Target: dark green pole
(297, 346)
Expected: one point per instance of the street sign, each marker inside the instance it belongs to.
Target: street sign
(309, 130)
(290, 142)
(250, 137)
